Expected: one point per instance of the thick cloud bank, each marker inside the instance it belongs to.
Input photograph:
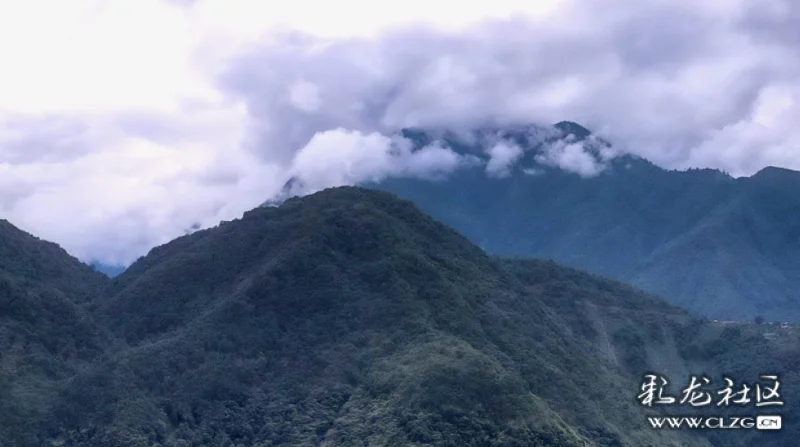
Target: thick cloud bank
(126, 123)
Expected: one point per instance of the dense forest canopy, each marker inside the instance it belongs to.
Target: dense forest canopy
(349, 317)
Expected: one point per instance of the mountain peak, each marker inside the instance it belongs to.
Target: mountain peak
(775, 176)
(365, 317)
(357, 296)
(572, 128)
(776, 172)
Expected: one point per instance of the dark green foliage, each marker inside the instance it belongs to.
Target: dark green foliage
(45, 339)
(718, 246)
(46, 264)
(633, 344)
(45, 336)
(348, 318)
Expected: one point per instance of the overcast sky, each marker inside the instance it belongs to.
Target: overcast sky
(125, 122)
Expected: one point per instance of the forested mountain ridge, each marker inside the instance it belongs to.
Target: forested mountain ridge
(724, 247)
(46, 335)
(29, 258)
(349, 317)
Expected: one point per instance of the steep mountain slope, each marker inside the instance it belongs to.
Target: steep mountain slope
(348, 317)
(747, 247)
(29, 258)
(45, 336)
(723, 247)
(645, 336)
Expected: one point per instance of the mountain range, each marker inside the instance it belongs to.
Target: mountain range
(350, 317)
(722, 247)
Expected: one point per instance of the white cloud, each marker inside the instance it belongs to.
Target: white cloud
(124, 122)
(501, 157)
(767, 135)
(532, 171)
(305, 96)
(355, 18)
(115, 204)
(344, 157)
(571, 157)
(96, 56)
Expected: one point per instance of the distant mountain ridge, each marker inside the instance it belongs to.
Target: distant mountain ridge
(723, 247)
(108, 270)
(500, 151)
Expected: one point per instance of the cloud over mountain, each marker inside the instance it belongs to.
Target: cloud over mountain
(146, 117)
